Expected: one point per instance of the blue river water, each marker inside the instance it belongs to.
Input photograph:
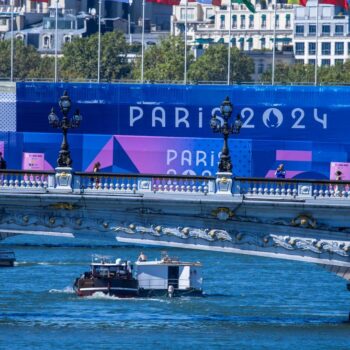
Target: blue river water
(249, 303)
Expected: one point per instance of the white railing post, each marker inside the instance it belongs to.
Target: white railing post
(224, 183)
(63, 178)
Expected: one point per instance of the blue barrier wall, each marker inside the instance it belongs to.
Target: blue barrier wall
(303, 127)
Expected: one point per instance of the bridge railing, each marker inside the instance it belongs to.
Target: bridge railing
(132, 183)
(291, 188)
(112, 183)
(26, 180)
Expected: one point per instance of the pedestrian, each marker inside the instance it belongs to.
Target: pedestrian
(280, 172)
(2, 162)
(96, 169)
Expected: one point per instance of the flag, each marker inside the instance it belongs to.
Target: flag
(247, 3)
(342, 3)
(210, 2)
(298, 2)
(166, 2)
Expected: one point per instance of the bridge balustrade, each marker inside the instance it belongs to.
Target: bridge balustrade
(291, 188)
(112, 183)
(132, 183)
(26, 180)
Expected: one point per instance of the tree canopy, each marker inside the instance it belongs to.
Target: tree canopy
(79, 59)
(212, 65)
(165, 61)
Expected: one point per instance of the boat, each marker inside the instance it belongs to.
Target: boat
(167, 277)
(7, 258)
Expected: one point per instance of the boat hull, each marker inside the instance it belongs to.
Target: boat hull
(118, 288)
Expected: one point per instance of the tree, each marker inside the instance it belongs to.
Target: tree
(294, 73)
(212, 65)
(79, 59)
(164, 61)
(26, 63)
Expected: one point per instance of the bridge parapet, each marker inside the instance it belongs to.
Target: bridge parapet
(26, 180)
(111, 183)
(291, 188)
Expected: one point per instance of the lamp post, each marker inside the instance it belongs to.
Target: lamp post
(226, 108)
(64, 159)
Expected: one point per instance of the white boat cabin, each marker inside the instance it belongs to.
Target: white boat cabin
(160, 274)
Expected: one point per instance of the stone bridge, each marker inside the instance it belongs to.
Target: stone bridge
(304, 220)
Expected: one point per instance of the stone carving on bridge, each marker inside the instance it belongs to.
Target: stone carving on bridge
(223, 213)
(63, 205)
(314, 245)
(180, 232)
(304, 220)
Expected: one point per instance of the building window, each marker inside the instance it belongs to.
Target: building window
(260, 67)
(250, 44)
(46, 42)
(299, 48)
(339, 49)
(312, 61)
(277, 21)
(251, 21)
(234, 21)
(242, 21)
(299, 30)
(312, 48)
(325, 62)
(326, 48)
(263, 43)
(339, 30)
(338, 61)
(209, 13)
(67, 39)
(263, 21)
(312, 30)
(222, 22)
(287, 20)
(326, 29)
(348, 48)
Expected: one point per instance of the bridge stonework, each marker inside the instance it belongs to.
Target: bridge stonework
(287, 219)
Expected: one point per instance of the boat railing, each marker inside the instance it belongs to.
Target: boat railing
(30, 181)
(153, 283)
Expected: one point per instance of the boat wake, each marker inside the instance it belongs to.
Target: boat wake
(102, 296)
(66, 290)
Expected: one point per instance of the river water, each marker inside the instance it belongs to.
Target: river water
(249, 303)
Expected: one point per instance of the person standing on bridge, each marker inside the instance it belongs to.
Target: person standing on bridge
(2, 162)
(280, 172)
(96, 169)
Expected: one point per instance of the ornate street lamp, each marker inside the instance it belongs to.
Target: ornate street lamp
(65, 104)
(226, 129)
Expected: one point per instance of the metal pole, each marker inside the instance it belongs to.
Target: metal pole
(274, 46)
(56, 39)
(185, 65)
(229, 46)
(99, 40)
(129, 28)
(143, 40)
(316, 48)
(12, 43)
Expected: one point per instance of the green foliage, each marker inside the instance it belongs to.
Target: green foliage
(300, 73)
(27, 61)
(164, 62)
(212, 65)
(79, 59)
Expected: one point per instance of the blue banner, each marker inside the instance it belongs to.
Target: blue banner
(304, 113)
